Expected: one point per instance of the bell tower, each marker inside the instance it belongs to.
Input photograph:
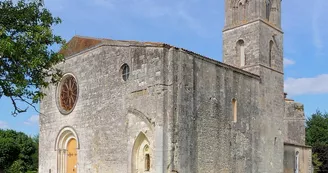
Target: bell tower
(252, 34)
(253, 41)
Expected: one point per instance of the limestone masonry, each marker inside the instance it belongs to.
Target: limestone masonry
(144, 107)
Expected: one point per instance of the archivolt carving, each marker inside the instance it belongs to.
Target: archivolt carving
(63, 136)
(142, 116)
(141, 154)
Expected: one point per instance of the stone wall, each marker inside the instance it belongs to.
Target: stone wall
(269, 128)
(297, 154)
(239, 12)
(205, 138)
(294, 121)
(110, 113)
(181, 101)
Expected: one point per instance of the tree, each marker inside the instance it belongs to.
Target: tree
(316, 163)
(35, 155)
(9, 152)
(17, 152)
(317, 129)
(26, 56)
(317, 137)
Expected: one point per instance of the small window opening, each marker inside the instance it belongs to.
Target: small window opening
(240, 12)
(234, 110)
(241, 52)
(270, 53)
(147, 162)
(296, 162)
(242, 5)
(268, 9)
(125, 72)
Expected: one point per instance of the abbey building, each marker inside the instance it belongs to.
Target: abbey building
(145, 107)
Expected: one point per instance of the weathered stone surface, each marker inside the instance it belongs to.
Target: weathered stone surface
(180, 103)
(303, 155)
(294, 123)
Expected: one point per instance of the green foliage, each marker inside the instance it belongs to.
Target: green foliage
(26, 58)
(321, 151)
(16, 167)
(317, 137)
(317, 129)
(316, 163)
(9, 152)
(35, 155)
(18, 152)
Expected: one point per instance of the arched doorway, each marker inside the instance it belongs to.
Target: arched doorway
(67, 145)
(141, 155)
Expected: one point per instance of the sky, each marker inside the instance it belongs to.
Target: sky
(195, 25)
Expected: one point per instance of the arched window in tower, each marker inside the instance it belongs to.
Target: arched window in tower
(270, 53)
(268, 9)
(242, 5)
(239, 11)
(241, 52)
(234, 110)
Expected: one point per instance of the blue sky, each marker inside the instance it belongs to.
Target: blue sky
(195, 25)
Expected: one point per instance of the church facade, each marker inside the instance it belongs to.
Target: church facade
(145, 107)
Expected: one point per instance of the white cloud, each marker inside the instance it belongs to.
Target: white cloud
(3, 125)
(33, 120)
(303, 86)
(288, 62)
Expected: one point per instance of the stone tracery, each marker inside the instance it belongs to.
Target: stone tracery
(68, 93)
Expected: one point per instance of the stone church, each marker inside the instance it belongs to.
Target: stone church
(145, 107)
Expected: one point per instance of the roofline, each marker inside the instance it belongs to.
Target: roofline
(216, 62)
(252, 22)
(167, 46)
(297, 145)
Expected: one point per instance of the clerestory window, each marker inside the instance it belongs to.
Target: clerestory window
(270, 53)
(125, 72)
(234, 110)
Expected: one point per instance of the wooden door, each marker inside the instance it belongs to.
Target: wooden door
(71, 156)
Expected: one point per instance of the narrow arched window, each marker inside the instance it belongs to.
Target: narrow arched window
(270, 53)
(240, 12)
(234, 110)
(241, 52)
(296, 162)
(268, 9)
(125, 69)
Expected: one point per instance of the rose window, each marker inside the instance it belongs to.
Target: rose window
(68, 93)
